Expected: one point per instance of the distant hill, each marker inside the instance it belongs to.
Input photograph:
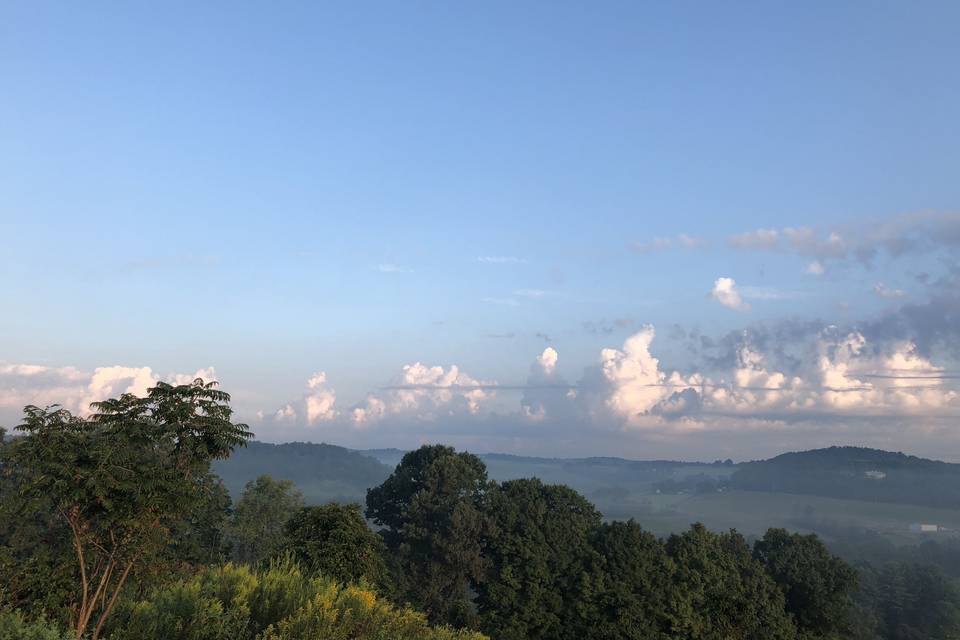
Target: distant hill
(855, 473)
(323, 472)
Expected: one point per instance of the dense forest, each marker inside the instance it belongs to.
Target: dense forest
(116, 525)
(855, 472)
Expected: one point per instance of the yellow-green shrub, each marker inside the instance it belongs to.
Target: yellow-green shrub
(353, 613)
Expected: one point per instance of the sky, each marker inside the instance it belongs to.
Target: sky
(653, 230)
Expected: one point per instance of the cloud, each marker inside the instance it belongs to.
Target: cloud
(725, 292)
(606, 327)
(862, 240)
(531, 293)
(501, 260)
(816, 268)
(75, 389)
(425, 393)
(759, 239)
(682, 241)
(884, 291)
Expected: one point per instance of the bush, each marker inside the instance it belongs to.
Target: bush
(13, 626)
(353, 613)
(277, 602)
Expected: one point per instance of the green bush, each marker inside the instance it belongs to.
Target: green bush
(13, 626)
(354, 613)
(277, 602)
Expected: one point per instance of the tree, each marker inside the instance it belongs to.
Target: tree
(335, 540)
(119, 478)
(722, 592)
(634, 596)
(430, 508)
(816, 583)
(256, 528)
(538, 545)
(201, 537)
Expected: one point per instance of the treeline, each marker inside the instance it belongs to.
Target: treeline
(855, 473)
(115, 526)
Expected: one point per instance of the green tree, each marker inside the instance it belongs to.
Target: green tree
(120, 478)
(634, 596)
(430, 508)
(913, 602)
(722, 592)
(201, 536)
(335, 540)
(538, 545)
(256, 527)
(816, 584)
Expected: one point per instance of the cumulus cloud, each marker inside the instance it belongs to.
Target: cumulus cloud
(816, 268)
(75, 390)
(425, 393)
(725, 292)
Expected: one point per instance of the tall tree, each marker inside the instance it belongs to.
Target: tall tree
(335, 540)
(816, 584)
(430, 511)
(722, 591)
(256, 526)
(634, 594)
(119, 479)
(538, 545)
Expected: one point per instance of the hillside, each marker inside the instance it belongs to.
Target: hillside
(855, 473)
(323, 472)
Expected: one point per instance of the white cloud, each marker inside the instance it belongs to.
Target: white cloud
(884, 291)
(759, 239)
(725, 292)
(531, 293)
(75, 390)
(428, 393)
(683, 241)
(816, 268)
(501, 260)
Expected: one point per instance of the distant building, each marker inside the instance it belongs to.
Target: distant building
(924, 528)
(875, 475)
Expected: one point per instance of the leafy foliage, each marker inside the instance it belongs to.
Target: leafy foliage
(430, 508)
(256, 527)
(335, 540)
(120, 479)
(815, 583)
(537, 548)
(13, 626)
(279, 602)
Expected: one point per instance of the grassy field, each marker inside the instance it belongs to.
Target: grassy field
(753, 512)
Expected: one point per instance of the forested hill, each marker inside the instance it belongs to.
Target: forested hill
(855, 473)
(322, 472)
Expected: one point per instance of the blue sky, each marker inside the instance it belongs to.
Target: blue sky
(277, 190)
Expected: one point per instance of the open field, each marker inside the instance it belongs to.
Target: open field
(753, 512)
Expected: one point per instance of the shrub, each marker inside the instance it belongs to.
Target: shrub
(13, 626)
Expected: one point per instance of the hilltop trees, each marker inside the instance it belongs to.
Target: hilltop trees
(334, 540)
(537, 547)
(119, 479)
(256, 527)
(431, 511)
(815, 583)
